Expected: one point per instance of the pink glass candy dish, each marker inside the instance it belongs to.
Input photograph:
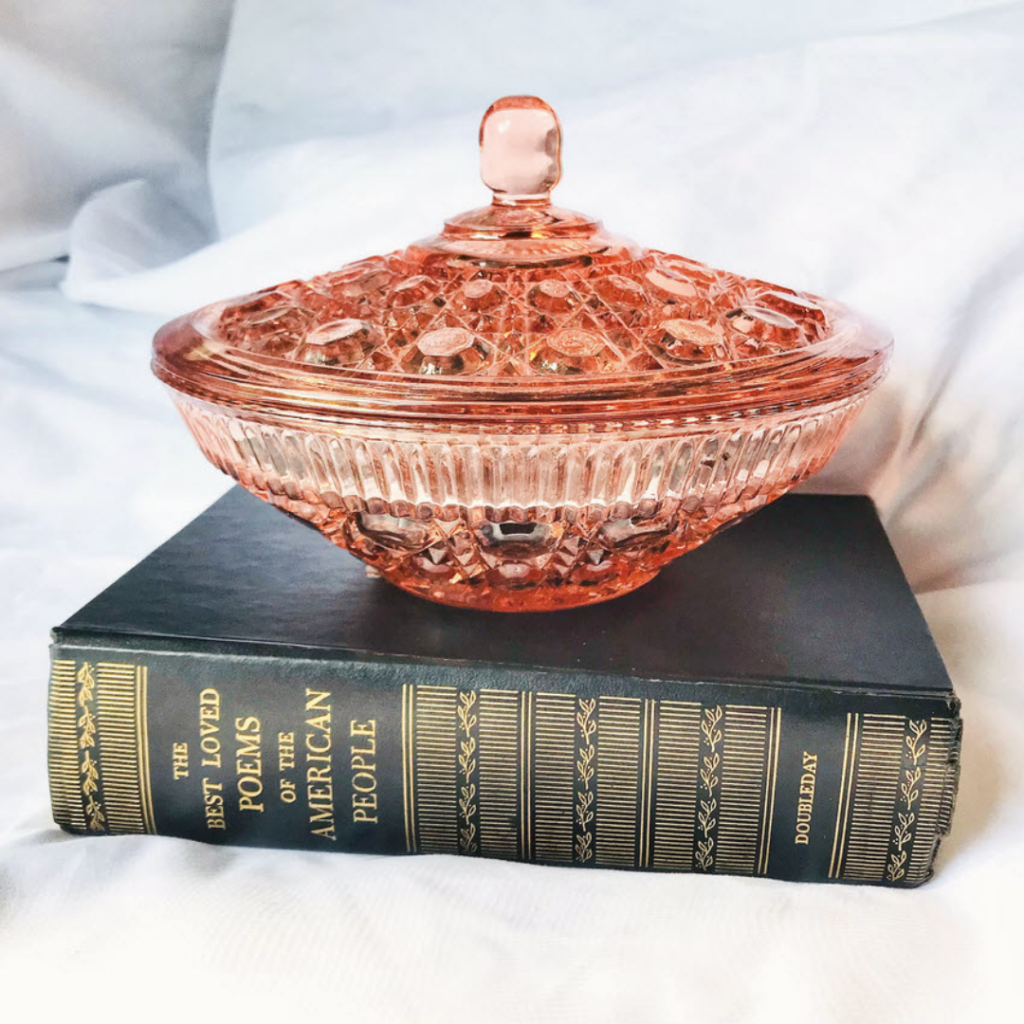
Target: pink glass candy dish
(524, 412)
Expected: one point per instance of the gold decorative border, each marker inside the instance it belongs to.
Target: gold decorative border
(619, 774)
(771, 781)
(145, 775)
(910, 793)
(62, 752)
(676, 770)
(408, 775)
(436, 778)
(99, 757)
(89, 769)
(467, 771)
(586, 722)
(726, 823)
(121, 695)
(498, 776)
(647, 745)
(553, 804)
(845, 792)
(710, 781)
(938, 790)
(876, 772)
(525, 775)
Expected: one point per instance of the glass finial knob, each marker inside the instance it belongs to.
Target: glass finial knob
(520, 150)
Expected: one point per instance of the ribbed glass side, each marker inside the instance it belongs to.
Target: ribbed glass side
(527, 522)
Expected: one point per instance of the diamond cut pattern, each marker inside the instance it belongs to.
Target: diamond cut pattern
(656, 312)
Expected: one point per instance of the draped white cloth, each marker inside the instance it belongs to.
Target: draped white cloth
(180, 152)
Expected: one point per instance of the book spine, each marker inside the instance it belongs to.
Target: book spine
(558, 768)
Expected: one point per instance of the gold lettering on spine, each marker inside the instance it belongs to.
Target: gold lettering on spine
(319, 765)
(710, 779)
(249, 763)
(213, 805)
(287, 789)
(805, 803)
(467, 773)
(363, 763)
(179, 761)
(209, 727)
(910, 792)
(586, 723)
(89, 769)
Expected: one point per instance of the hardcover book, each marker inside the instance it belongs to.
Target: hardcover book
(770, 705)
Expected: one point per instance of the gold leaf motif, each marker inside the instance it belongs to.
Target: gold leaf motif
(585, 765)
(584, 814)
(583, 718)
(87, 729)
(86, 722)
(467, 769)
(704, 857)
(466, 806)
(896, 869)
(467, 763)
(86, 682)
(909, 786)
(709, 726)
(583, 847)
(466, 719)
(903, 830)
(705, 818)
(704, 852)
(95, 816)
(90, 775)
(585, 798)
(913, 740)
(88, 767)
(708, 777)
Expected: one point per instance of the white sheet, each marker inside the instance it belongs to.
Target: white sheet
(863, 153)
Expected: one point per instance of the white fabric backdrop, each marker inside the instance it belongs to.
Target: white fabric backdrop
(870, 151)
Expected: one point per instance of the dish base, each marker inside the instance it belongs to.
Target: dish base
(521, 565)
(540, 598)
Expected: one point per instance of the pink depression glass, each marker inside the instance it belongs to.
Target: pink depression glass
(523, 413)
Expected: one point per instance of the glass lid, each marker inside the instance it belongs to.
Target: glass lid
(519, 302)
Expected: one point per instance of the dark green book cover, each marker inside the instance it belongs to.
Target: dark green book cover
(772, 704)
